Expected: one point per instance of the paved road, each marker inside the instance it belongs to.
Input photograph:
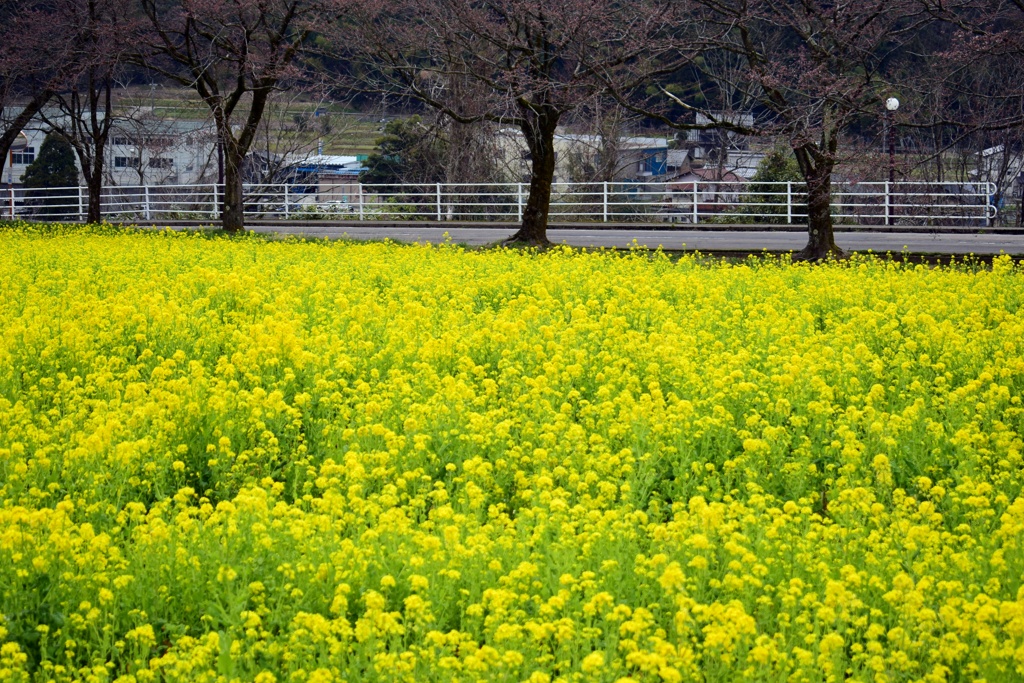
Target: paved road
(702, 240)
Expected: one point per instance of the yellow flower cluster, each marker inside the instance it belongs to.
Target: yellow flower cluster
(248, 460)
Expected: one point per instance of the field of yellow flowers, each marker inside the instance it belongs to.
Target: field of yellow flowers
(246, 460)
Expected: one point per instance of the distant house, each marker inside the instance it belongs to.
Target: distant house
(325, 177)
(710, 138)
(715, 190)
(744, 163)
(642, 158)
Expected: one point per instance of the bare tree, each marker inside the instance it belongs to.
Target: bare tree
(296, 126)
(976, 93)
(596, 155)
(470, 151)
(84, 108)
(235, 54)
(810, 69)
(516, 63)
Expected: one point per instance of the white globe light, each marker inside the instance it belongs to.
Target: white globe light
(892, 104)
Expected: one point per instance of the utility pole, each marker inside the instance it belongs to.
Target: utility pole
(10, 179)
(1020, 184)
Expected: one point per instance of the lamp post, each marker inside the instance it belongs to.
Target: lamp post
(891, 105)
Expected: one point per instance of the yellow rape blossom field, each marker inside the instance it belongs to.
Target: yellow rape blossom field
(246, 460)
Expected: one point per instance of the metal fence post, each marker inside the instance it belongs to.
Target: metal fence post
(605, 198)
(519, 191)
(988, 206)
(11, 190)
(360, 201)
(148, 212)
(286, 200)
(695, 202)
(789, 202)
(213, 213)
(437, 190)
(888, 210)
(80, 211)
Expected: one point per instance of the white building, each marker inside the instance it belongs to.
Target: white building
(18, 160)
(161, 152)
(141, 150)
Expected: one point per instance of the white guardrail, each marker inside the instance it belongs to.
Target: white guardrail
(869, 203)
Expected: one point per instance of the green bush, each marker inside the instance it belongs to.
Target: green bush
(53, 168)
(778, 166)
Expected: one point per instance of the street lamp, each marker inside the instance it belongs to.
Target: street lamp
(891, 105)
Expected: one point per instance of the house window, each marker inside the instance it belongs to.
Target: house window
(121, 140)
(25, 156)
(163, 163)
(126, 162)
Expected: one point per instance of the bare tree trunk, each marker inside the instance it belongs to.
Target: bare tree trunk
(235, 150)
(540, 139)
(95, 210)
(233, 210)
(821, 240)
(92, 171)
(232, 216)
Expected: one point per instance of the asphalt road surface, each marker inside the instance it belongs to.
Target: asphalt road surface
(703, 240)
